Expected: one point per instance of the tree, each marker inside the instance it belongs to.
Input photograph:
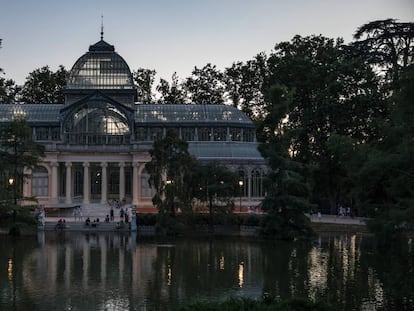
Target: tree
(8, 91)
(174, 94)
(244, 83)
(44, 86)
(17, 152)
(216, 185)
(384, 182)
(205, 86)
(170, 174)
(331, 94)
(8, 88)
(144, 80)
(387, 44)
(288, 186)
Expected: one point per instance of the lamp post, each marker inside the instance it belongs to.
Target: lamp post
(241, 187)
(12, 184)
(170, 195)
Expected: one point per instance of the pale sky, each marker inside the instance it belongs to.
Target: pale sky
(173, 35)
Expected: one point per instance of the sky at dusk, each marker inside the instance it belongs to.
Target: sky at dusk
(173, 35)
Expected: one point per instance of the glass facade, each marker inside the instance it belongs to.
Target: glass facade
(97, 123)
(190, 114)
(100, 68)
(97, 141)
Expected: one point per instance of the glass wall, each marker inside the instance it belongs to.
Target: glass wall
(100, 71)
(97, 123)
(40, 182)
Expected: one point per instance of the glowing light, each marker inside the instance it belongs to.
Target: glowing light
(10, 269)
(241, 273)
(221, 262)
(169, 276)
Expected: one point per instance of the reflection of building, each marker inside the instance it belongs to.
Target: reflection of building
(97, 142)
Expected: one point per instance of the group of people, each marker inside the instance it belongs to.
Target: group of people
(77, 213)
(94, 223)
(61, 224)
(342, 211)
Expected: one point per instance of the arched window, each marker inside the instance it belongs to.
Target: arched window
(97, 123)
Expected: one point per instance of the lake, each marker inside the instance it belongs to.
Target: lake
(115, 271)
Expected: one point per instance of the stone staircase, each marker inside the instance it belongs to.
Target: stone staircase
(93, 211)
(80, 226)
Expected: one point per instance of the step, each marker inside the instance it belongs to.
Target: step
(80, 226)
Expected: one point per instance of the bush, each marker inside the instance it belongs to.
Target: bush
(250, 220)
(146, 219)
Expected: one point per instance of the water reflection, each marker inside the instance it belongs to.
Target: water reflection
(120, 272)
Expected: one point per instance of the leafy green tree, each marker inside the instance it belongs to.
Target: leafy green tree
(144, 80)
(330, 94)
(205, 86)
(384, 183)
(17, 152)
(8, 88)
(216, 185)
(170, 174)
(8, 91)
(244, 84)
(387, 44)
(171, 94)
(288, 185)
(44, 86)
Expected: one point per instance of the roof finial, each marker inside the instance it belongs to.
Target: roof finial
(102, 27)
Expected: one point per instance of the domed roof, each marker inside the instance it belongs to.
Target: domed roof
(100, 68)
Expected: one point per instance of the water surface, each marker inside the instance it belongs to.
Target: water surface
(112, 271)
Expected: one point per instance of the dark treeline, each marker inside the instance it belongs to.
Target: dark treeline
(335, 120)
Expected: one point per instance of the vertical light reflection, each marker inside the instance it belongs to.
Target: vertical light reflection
(318, 271)
(241, 274)
(169, 275)
(342, 248)
(10, 269)
(352, 257)
(221, 262)
(375, 288)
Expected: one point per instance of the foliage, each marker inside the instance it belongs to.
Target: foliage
(144, 80)
(216, 185)
(384, 184)
(44, 86)
(244, 84)
(17, 152)
(8, 91)
(322, 93)
(170, 174)
(387, 44)
(205, 86)
(171, 94)
(146, 219)
(288, 190)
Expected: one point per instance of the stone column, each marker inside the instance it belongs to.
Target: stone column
(54, 182)
(86, 183)
(121, 181)
(249, 187)
(135, 189)
(68, 198)
(104, 183)
(27, 185)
